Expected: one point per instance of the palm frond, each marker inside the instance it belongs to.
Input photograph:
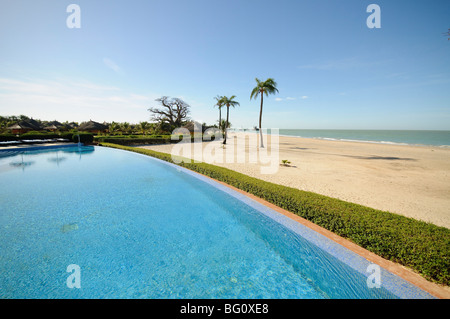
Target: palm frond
(254, 93)
(269, 86)
(230, 101)
(219, 101)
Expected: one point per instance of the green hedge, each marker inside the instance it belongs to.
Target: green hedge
(127, 141)
(38, 136)
(100, 138)
(84, 137)
(8, 137)
(424, 247)
(67, 136)
(134, 141)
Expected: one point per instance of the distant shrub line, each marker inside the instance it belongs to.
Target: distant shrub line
(133, 141)
(128, 140)
(102, 137)
(424, 247)
(8, 137)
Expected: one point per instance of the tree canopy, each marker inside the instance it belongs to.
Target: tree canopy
(173, 111)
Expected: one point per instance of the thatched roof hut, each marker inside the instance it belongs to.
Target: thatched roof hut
(25, 126)
(93, 127)
(51, 128)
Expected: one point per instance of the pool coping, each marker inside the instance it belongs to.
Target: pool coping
(414, 285)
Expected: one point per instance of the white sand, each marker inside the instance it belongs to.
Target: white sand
(408, 180)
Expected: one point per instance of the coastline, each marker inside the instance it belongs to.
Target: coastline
(368, 141)
(409, 180)
(444, 142)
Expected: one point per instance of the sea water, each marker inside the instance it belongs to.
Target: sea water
(435, 138)
(402, 137)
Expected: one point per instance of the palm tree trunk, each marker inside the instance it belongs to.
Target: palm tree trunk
(226, 125)
(260, 120)
(220, 117)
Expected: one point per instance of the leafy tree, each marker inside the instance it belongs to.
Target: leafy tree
(267, 87)
(173, 111)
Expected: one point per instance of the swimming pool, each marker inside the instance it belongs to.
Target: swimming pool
(138, 227)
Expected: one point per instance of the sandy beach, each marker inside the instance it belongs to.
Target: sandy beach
(413, 181)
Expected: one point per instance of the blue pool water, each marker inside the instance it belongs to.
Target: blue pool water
(141, 228)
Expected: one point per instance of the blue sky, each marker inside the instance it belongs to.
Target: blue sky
(333, 72)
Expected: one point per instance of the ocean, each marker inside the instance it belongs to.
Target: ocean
(434, 138)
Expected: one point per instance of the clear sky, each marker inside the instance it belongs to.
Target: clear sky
(332, 70)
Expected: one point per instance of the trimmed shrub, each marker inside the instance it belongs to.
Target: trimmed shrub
(422, 246)
(104, 138)
(134, 141)
(84, 137)
(127, 140)
(8, 137)
(68, 136)
(34, 133)
(38, 136)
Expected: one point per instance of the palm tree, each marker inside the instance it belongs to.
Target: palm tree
(144, 126)
(125, 127)
(219, 104)
(223, 124)
(228, 102)
(268, 86)
(113, 127)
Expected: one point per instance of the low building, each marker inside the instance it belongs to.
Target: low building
(25, 126)
(93, 127)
